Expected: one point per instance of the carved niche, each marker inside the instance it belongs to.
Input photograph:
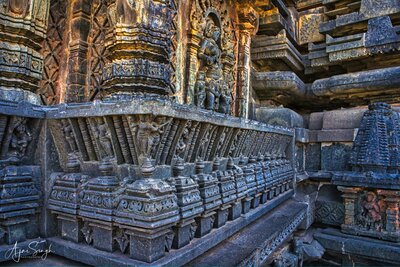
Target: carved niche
(212, 51)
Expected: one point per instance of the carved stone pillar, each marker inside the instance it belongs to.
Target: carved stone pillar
(139, 48)
(78, 48)
(194, 39)
(392, 200)
(248, 24)
(23, 25)
(350, 196)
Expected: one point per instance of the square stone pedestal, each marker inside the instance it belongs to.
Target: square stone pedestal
(221, 216)
(204, 224)
(15, 229)
(103, 236)
(235, 211)
(147, 247)
(271, 193)
(255, 201)
(70, 227)
(264, 197)
(183, 233)
(246, 203)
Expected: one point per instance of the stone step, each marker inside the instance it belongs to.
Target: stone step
(254, 245)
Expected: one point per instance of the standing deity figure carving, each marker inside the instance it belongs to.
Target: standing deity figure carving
(69, 135)
(148, 134)
(225, 99)
(104, 138)
(200, 89)
(209, 55)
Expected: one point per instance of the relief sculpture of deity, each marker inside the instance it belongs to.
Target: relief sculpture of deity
(20, 138)
(210, 86)
(370, 216)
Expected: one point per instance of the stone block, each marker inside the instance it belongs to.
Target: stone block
(280, 116)
(71, 229)
(235, 210)
(147, 248)
(204, 224)
(335, 156)
(103, 238)
(183, 234)
(309, 22)
(221, 216)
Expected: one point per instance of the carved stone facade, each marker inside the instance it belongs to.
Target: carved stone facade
(153, 185)
(164, 132)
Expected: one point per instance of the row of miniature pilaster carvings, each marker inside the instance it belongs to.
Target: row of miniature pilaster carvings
(127, 138)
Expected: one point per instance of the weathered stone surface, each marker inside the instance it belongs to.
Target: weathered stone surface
(140, 163)
(251, 246)
(280, 116)
(359, 247)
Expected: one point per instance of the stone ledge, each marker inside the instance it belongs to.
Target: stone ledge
(21, 109)
(157, 107)
(254, 239)
(84, 253)
(368, 248)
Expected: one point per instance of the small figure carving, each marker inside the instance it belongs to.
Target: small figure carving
(21, 136)
(148, 134)
(122, 240)
(203, 144)
(200, 89)
(371, 217)
(87, 233)
(104, 138)
(225, 100)
(193, 228)
(19, 7)
(183, 141)
(69, 135)
(126, 10)
(210, 72)
(212, 95)
(169, 237)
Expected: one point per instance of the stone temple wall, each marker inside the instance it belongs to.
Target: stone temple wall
(124, 134)
(201, 132)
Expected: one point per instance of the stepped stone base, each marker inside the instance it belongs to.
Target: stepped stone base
(89, 255)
